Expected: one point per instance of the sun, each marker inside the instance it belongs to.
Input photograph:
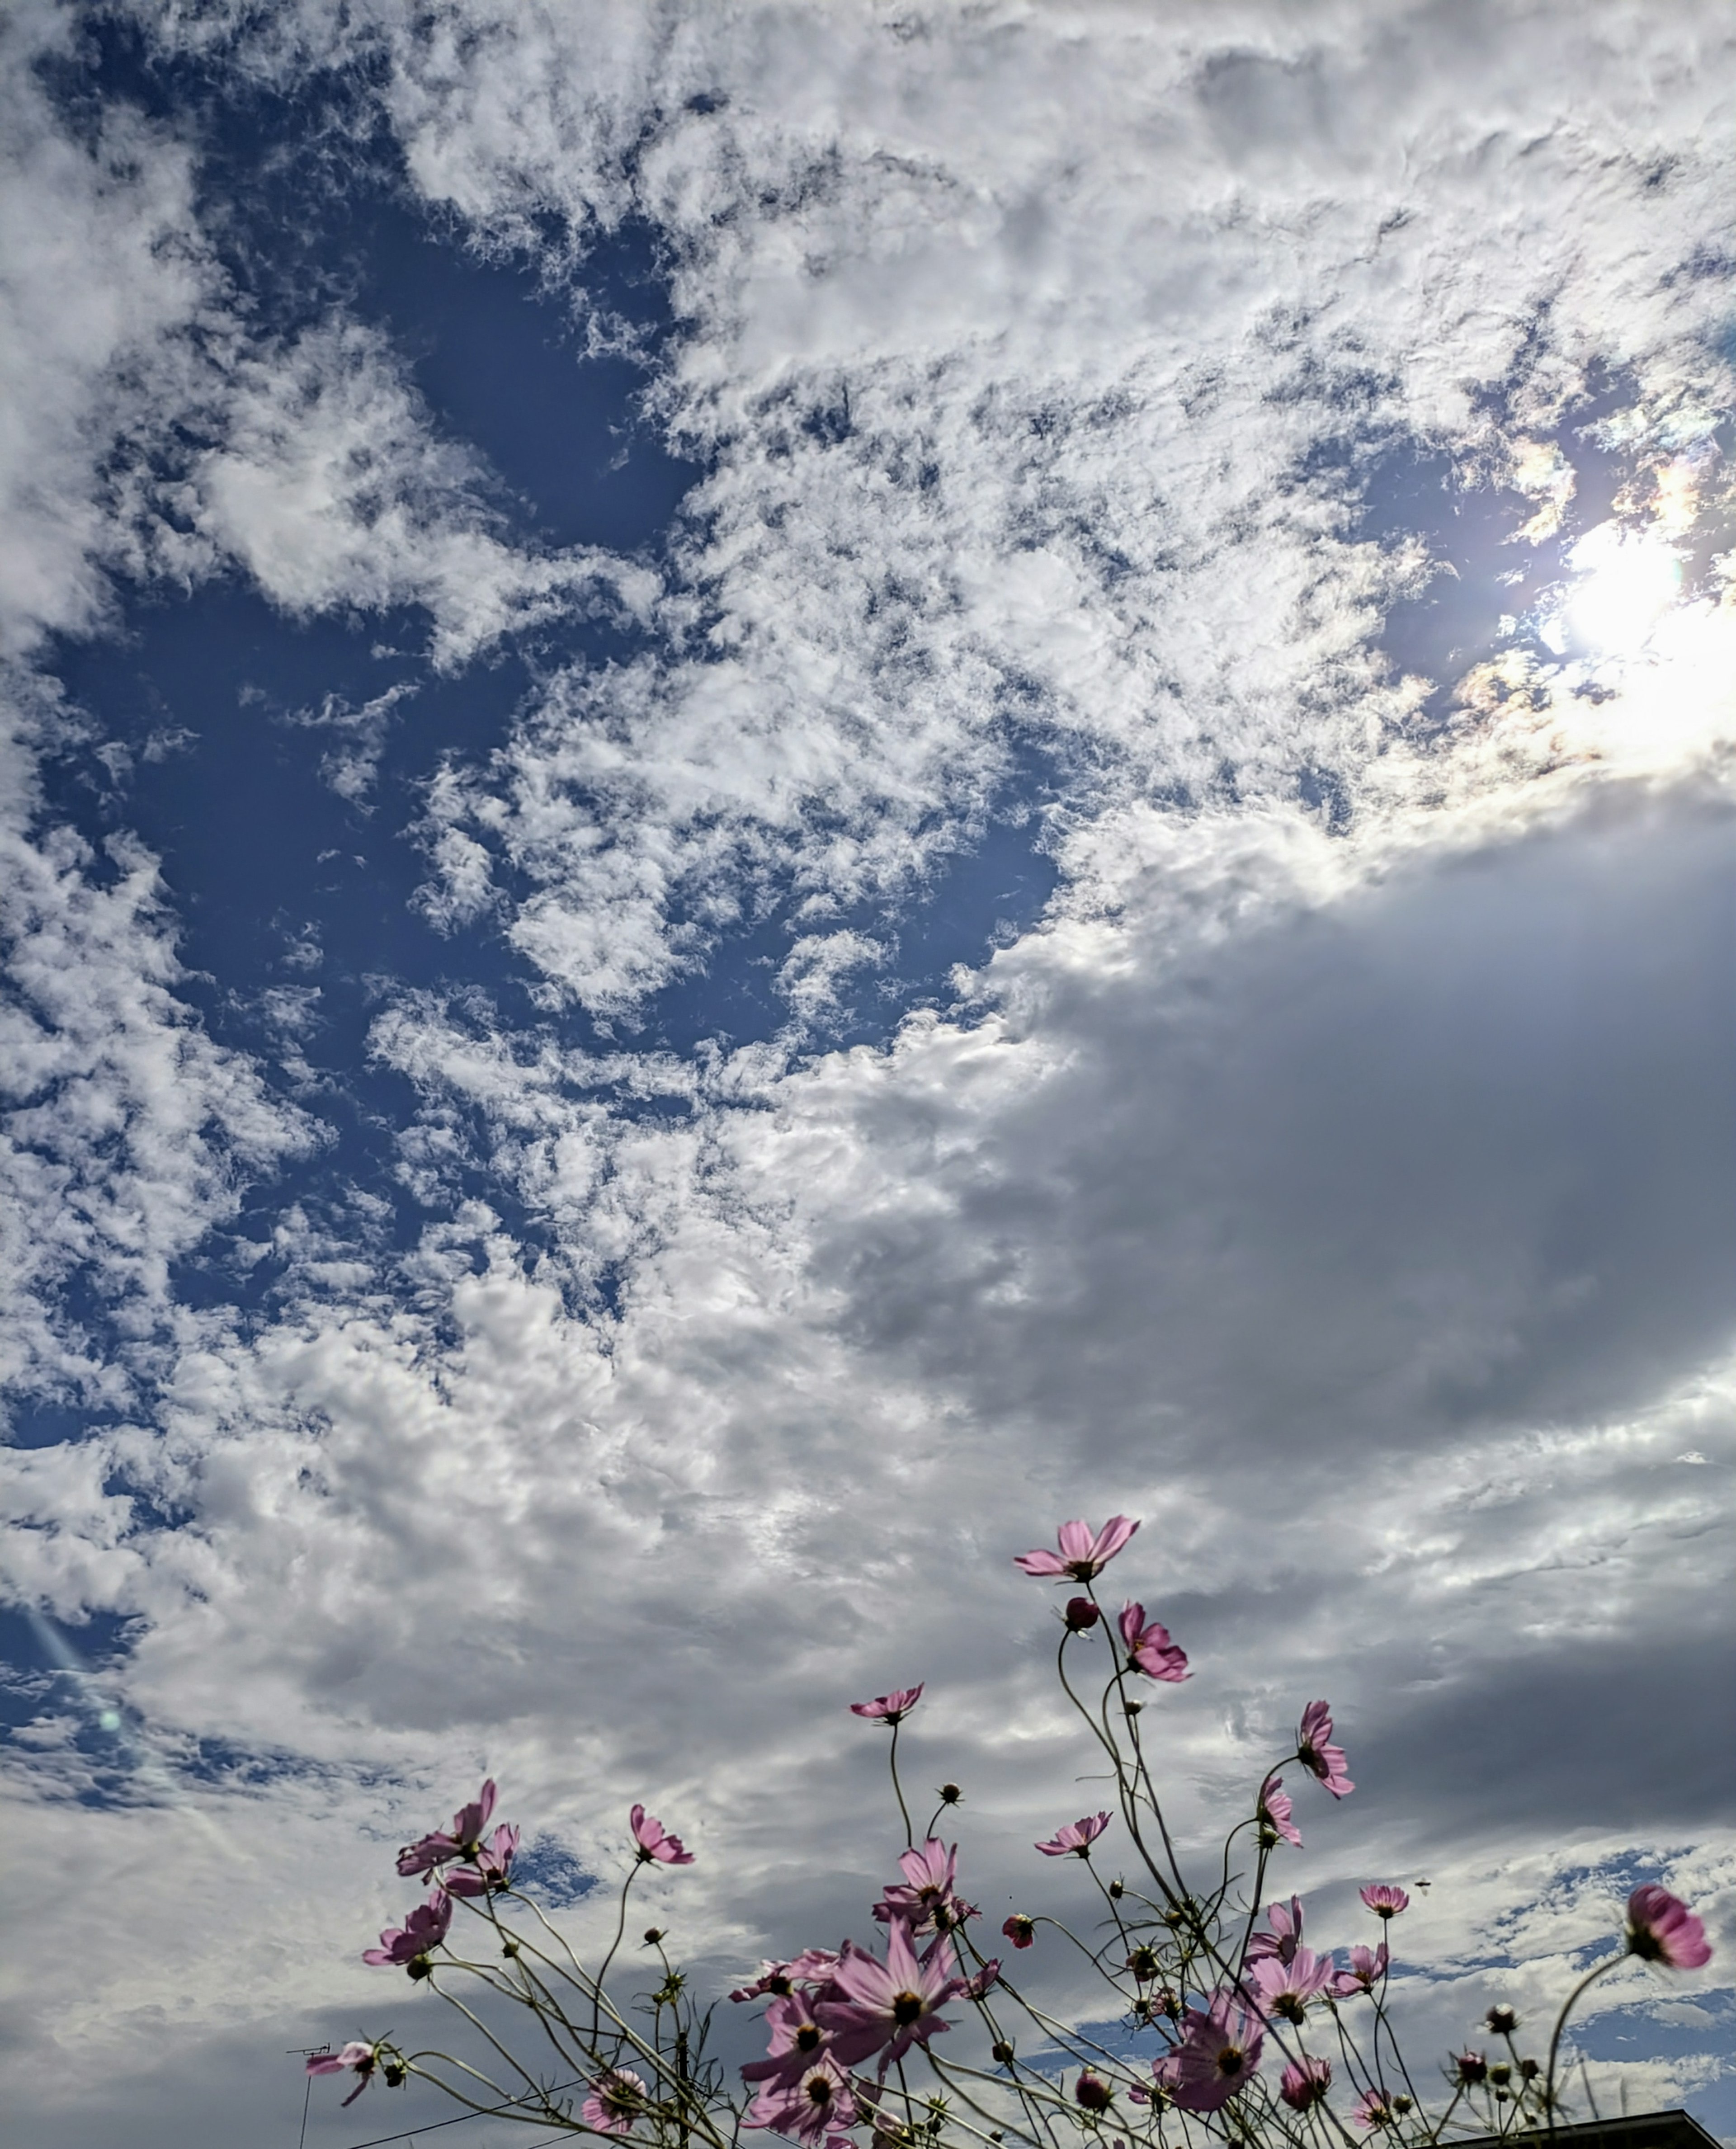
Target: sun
(1624, 582)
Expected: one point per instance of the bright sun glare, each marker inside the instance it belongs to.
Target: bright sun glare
(1624, 583)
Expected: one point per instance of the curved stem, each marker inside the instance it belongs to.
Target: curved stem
(1569, 2005)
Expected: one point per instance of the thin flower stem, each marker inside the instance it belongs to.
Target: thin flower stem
(1572, 2000)
(897, 1790)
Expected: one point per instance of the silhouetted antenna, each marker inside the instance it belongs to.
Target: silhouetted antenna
(307, 2052)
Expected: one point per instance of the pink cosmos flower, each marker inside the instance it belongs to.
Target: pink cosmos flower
(1305, 2082)
(362, 2058)
(1374, 2108)
(433, 1849)
(890, 1707)
(1020, 1930)
(1285, 1989)
(891, 2004)
(1150, 1648)
(1275, 1811)
(985, 1979)
(1218, 2051)
(813, 1966)
(615, 2100)
(492, 1866)
(1314, 1753)
(1081, 1555)
(814, 2104)
(1286, 1937)
(1092, 2093)
(1077, 1836)
(796, 2038)
(1661, 1927)
(421, 1932)
(927, 1895)
(654, 1841)
(1385, 1901)
(1368, 1966)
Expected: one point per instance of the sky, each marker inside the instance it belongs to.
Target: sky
(786, 788)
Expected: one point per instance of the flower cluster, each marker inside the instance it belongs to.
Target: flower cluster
(1237, 2024)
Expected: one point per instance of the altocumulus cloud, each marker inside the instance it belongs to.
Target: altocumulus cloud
(1149, 439)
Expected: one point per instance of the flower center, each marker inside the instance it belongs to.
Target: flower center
(907, 2007)
(807, 2037)
(819, 2091)
(1230, 2059)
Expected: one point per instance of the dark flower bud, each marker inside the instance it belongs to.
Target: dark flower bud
(1501, 2096)
(1173, 1914)
(653, 1934)
(1092, 2093)
(509, 1947)
(1400, 2105)
(1131, 1708)
(1001, 2053)
(1116, 1891)
(1471, 2068)
(1143, 1963)
(1502, 2020)
(1500, 2073)
(1167, 2003)
(394, 2075)
(1528, 2070)
(421, 1968)
(950, 1794)
(1082, 1615)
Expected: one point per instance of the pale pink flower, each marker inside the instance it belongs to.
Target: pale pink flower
(1316, 1754)
(814, 2104)
(422, 1931)
(985, 1979)
(1661, 1927)
(890, 1707)
(891, 2004)
(492, 1866)
(1373, 2108)
(1368, 1966)
(1081, 1555)
(1384, 1900)
(1077, 1836)
(437, 1848)
(1305, 2082)
(1275, 1812)
(364, 2058)
(1150, 1649)
(1218, 2054)
(615, 2100)
(927, 1894)
(1285, 1936)
(796, 2038)
(1285, 1989)
(654, 1841)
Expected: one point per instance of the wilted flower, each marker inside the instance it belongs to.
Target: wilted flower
(1368, 1966)
(1077, 1836)
(1150, 1649)
(1315, 1752)
(1385, 1901)
(1019, 1930)
(1218, 2051)
(1661, 1927)
(1081, 1555)
(421, 1932)
(1373, 2108)
(1275, 1809)
(615, 2100)
(1285, 1936)
(890, 1707)
(655, 1844)
(984, 1980)
(492, 1867)
(1305, 2082)
(813, 2104)
(893, 2003)
(437, 1848)
(362, 2058)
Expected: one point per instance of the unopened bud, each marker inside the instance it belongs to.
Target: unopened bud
(393, 2075)
(950, 1794)
(1143, 1963)
(1001, 2053)
(653, 1934)
(1400, 2105)
(1116, 1890)
(1528, 2070)
(1081, 1615)
(1500, 2073)
(1502, 2020)
(509, 1947)
(1501, 2096)
(421, 1968)
(1131, 1708)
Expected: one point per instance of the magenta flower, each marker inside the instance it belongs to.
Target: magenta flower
(1218, 2051)
(1275, 1812)
(1082, 1615)
(1077, 1836)
(364, 2058)
(1081, 1555)
(891, 2004)
(926, 1896)
(1315, 1752)
(986, 1979)
(890, 1707)
(655, 1842)
(1385, 1901)
(1284, 1988)
(1285, 1936)
(1020, 1930)
(491, 1865)
(1150, 1648)
(1305, 2082)
(815, 2104)
(1661, 1927)
(1091, 2092)
(1373, 2108)
(421, 1932)
(1470, 2068)
(615, 2100)
(1368, 1966)
(437, 1849)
